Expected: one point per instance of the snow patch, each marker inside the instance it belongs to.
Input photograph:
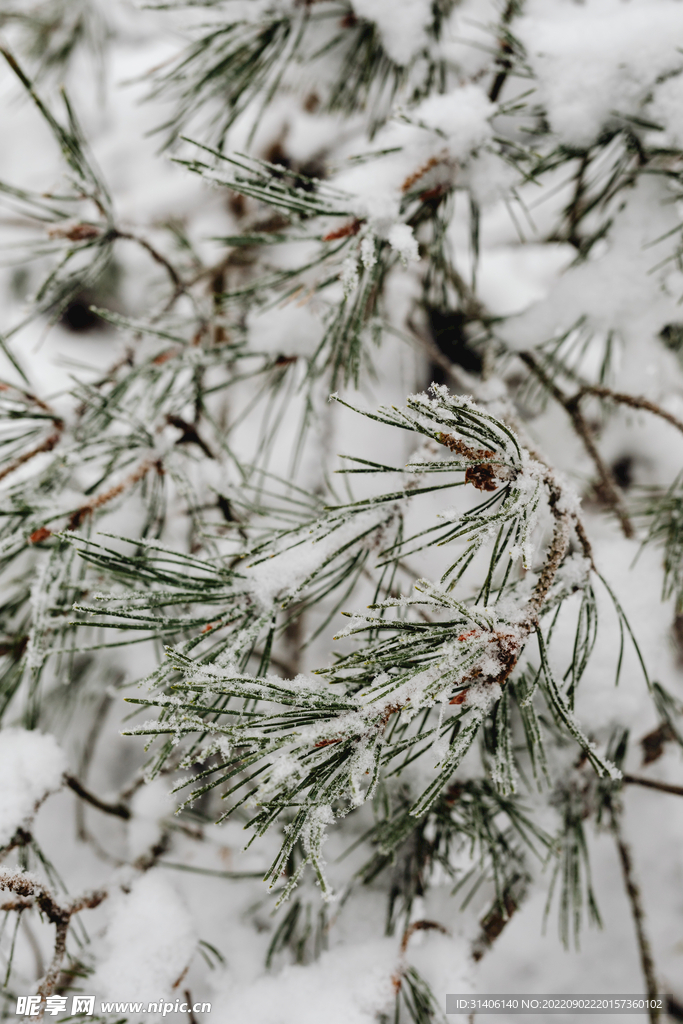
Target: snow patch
(598, 60)
(401, 24)
(31, 766)
(151, 940)
(403, 241)
(346, 985)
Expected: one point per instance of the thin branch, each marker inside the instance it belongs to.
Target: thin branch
(416, 926)
(459, 377)
(634, 896)
(30, 397)
(493, 923)
(31, 892)
(633, 401)
(20, 838)
(179, 285)
(558, 546)
(663, 787)
(81, 513)
(189, 435)
(608, 484)
(45, 446)
(190, 1011)
(47, 985)
(420, 926)
(119, 810)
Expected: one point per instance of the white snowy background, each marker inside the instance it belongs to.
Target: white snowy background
(592, 62)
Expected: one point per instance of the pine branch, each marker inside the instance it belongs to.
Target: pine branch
(326, 736)
(248, 568)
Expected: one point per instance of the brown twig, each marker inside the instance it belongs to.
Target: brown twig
(45, 446)
(570, 404)
(632, 401)
(189, 434)
(416, 926)
(119, 810)
(190, 1012)
(496, 920)
(30, 893)
(179, 285)
(47, 985)
(20, 838)
(420, 926)
(29, 396)
(663, 787)
(564, 519)
(89, 507)
(638, 914)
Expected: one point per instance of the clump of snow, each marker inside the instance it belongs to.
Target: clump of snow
(313, 836)
(286, 770)
(444, 961)
(490, 179)
(31, 766)
(429, 143)
(376, 187)
(619, 289)
(361, 767)
(462, 116)
(403, 241)
(569, 500)
(598, 60)
(347, 985)
(484, 695)
(401, 25)
(510, 278)
(150, 941)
